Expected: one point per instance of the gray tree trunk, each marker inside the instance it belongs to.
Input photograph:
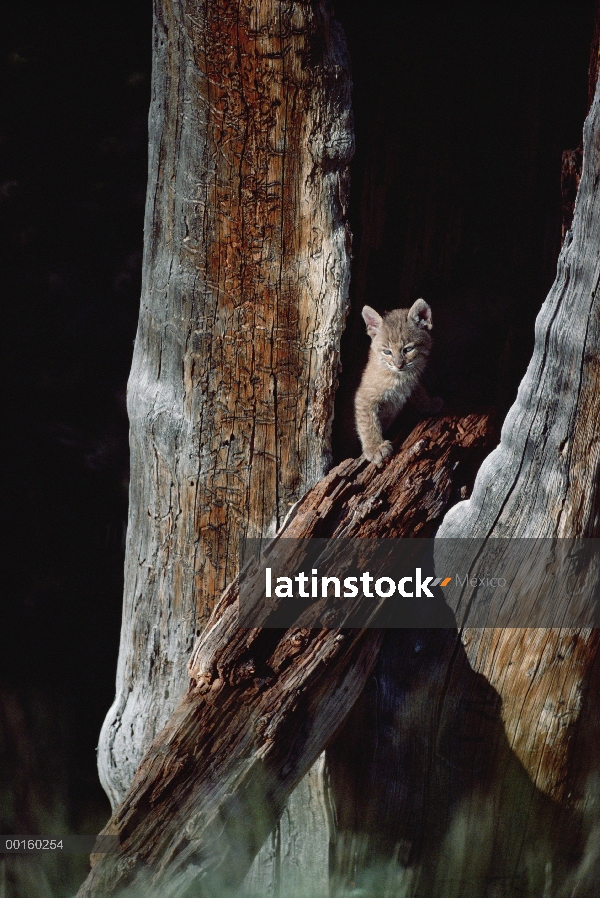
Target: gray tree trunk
(244, 297)
(485, 779)
(544, 481)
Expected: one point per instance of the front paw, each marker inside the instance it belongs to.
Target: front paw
(437, 405)
(383, 451)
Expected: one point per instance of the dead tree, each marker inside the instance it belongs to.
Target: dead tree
(207, 460)
(543, 481)
(535, 727)
(244, 298)
(523, 704)
(263, 704)
(493, 782)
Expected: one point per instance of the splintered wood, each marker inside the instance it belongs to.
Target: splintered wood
(263, 704)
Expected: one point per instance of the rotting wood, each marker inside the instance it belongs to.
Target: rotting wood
(215, 780)
(543, 481)
(490, 784)
(244, 297)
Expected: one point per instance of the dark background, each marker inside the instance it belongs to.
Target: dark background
(462, 113)
(75, 91)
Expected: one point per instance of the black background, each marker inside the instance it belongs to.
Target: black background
(75, 92)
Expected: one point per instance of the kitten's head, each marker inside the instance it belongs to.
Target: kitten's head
(400, 340)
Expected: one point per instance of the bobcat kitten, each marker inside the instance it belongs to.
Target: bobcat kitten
(400, 347)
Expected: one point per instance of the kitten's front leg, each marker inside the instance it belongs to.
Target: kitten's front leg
(423, 402)
(383, 451)
(368, 425)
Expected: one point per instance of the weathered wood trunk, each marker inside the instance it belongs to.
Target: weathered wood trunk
(543, 480)
(263, 704)
(244, 297)
(485, 774)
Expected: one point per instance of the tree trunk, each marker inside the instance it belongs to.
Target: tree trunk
(543, 481)
(231, 396)
(491, 783)
(263, 704)
(244, 297)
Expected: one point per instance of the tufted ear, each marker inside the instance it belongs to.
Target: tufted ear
(372, 320)
(420, 314)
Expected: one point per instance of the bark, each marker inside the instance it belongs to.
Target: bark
(428, 793)
(244, 297)
(263, 704)
(505, 757)
(543, 478)
(543, 481)
(217, 777)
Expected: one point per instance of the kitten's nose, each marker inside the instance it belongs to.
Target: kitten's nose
(399, 365)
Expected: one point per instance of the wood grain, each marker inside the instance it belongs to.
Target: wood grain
(263, 704)
(244, 297)
(542, 481)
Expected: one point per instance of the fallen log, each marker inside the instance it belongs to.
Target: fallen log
(262, 704)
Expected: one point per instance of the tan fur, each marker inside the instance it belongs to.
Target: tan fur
(400, 347)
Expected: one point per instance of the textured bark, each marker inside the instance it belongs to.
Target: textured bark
(470, 765)
(296, 853)
(214, 781)
(263, 704)
(244, 298)
(428, 793)
(543, 481)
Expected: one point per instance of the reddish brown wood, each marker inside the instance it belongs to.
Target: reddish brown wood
(263, 704)
(244, 298)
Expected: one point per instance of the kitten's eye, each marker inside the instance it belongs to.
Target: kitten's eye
(408, 349)
(386, 351)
